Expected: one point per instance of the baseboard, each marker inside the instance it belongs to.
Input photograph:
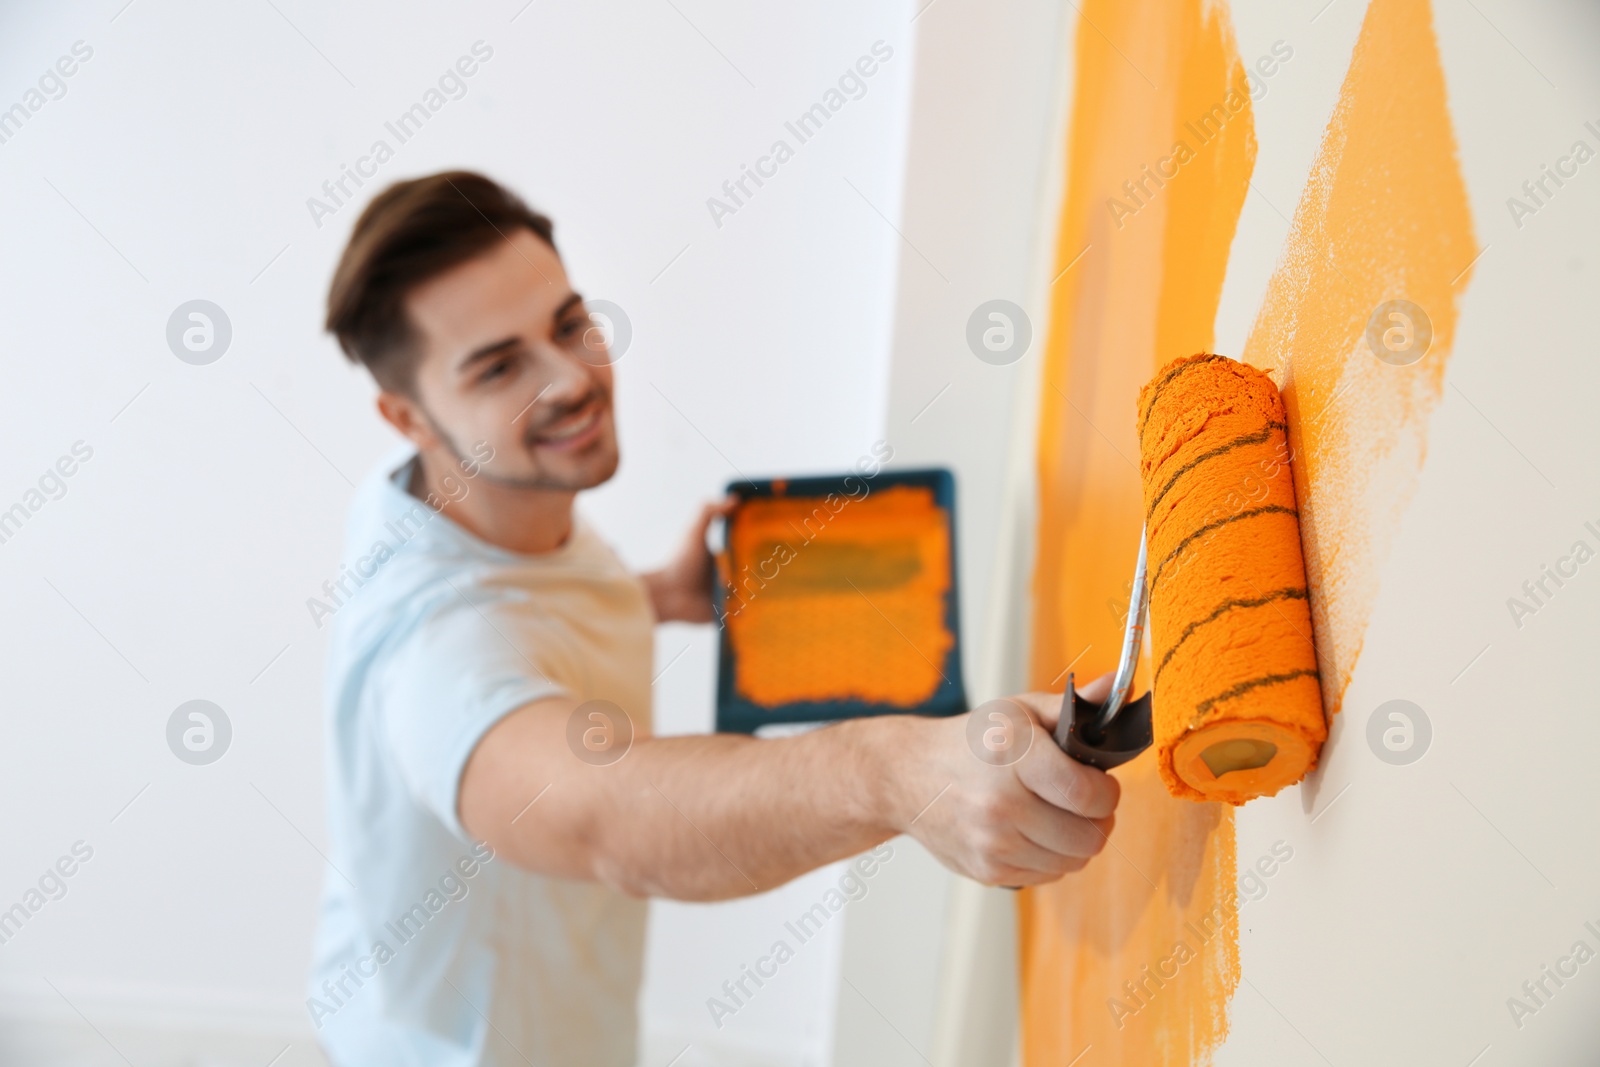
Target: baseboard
(76, 1024)
(680, 1050)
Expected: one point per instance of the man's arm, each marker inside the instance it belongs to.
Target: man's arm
(712, 817)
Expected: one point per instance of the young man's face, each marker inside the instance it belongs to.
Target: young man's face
(509, 359)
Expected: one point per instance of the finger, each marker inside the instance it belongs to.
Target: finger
(1057, 779)
(1026, 879)
(1100, 688)
(1021, 879)
(1046, 707)
(716, 509)
(1022, 862)
(1015, 877)
(1064, 833)
(709, 513)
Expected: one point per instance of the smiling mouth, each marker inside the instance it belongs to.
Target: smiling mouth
(575, 431)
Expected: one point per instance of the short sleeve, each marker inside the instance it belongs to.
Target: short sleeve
(439, 691)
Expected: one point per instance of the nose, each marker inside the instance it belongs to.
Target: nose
(565, 379)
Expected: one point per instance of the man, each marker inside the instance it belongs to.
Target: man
(484, 900)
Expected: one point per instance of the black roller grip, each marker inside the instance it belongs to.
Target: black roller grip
(1128, 735)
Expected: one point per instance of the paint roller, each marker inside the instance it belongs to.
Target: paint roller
(1235, 708)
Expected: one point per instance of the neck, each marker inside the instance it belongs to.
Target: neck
(527, 521)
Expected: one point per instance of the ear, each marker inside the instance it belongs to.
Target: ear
(405, 415)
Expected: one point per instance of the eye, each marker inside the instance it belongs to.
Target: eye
(498, 369)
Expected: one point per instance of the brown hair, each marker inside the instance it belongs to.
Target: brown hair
(411, 232)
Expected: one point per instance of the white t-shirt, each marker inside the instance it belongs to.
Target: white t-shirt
(430, 951)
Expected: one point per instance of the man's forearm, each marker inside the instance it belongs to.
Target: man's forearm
(704, 818)
(692, 818)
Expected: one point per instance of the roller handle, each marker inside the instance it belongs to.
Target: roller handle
(1132, 640)
(1109, 733)
(1079, 734)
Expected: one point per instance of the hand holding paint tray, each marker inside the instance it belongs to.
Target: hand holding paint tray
(838, 600)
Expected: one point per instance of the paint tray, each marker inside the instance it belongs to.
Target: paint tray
(837, 599)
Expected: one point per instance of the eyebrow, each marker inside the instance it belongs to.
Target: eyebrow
(494, 348)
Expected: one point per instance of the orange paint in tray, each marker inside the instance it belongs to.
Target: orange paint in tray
(839, 598)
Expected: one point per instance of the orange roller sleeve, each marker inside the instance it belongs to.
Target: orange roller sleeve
(1237, 706)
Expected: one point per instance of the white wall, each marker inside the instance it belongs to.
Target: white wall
(177, 565)
(929, 959)
(1420, 899)
(1424, 895)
